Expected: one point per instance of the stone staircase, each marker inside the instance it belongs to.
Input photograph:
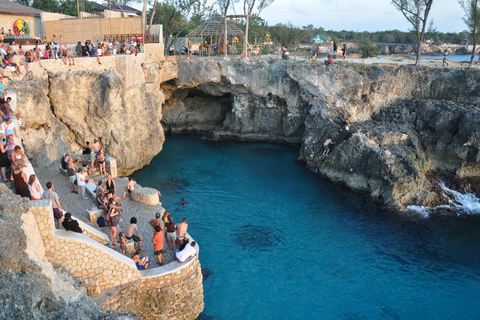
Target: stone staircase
(98, 177)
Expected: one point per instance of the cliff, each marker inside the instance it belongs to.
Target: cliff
(63, 108)
(412, 127)
(30, 286)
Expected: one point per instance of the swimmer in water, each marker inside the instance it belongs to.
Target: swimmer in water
(182, 203)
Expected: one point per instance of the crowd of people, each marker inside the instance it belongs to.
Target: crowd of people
(163, 227)
(57, 49)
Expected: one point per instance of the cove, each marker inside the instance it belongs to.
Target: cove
(281, 243)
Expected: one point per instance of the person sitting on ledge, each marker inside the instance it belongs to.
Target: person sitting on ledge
(141, 262)
(130, 187)
(328, 61)
(188, 253)
(71, 225)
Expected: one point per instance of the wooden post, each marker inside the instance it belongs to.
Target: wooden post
(246, 39)
(225, 39)
(78, 9)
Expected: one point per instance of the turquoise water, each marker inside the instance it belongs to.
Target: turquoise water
(283, 244)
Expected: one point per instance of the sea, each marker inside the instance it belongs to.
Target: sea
(278, 242)
(452, 57)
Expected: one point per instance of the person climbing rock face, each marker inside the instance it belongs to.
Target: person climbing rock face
(346, 129)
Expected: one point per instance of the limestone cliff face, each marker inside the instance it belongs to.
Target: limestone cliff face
(413, 126)
(63, 110)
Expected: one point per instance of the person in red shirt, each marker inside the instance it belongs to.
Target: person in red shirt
(158, 244)
(328, 61)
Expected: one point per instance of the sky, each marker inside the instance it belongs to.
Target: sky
(355, 15)
(358, 15)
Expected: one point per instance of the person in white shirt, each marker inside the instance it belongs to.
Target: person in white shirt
(2, 51)
(81, 181)
(187, 253)
(9, 128)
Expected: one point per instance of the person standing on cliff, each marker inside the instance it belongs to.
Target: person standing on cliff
(132, 226)
(344, 50)
(71, 170)
(130, 187)
(445, 57)
(57, 208)
(182, 229)
(334, 50)
(95, 147)
(156, 222)
(158, 244)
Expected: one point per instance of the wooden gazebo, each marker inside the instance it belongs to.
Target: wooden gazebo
(216, 27)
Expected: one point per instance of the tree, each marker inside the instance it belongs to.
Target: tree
(69, 7)
(175, 15)
(46, 5)
(248, 8)
(472, 20)
(416, 12)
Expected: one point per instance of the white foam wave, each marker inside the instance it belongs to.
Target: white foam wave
(466, 203)
(422, 211)
(459, 203)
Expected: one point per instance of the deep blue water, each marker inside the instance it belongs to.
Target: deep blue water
(283, 244)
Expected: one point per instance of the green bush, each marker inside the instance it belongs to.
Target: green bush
(369, 50)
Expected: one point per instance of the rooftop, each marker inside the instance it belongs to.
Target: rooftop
(8, 7)
(114, 7)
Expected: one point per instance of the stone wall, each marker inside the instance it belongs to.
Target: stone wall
(163, 297)
(84, 257)
(148, 196)
(34, 23)
(110, 163)
(94, 28)
(172, 291)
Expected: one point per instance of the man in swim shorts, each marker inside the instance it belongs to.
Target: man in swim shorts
(130, 187)
(95, 147)
(182, 229)
(132, 226)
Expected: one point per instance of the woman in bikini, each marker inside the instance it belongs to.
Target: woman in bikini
(110, 184)
(101, 163)
(113, 219)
